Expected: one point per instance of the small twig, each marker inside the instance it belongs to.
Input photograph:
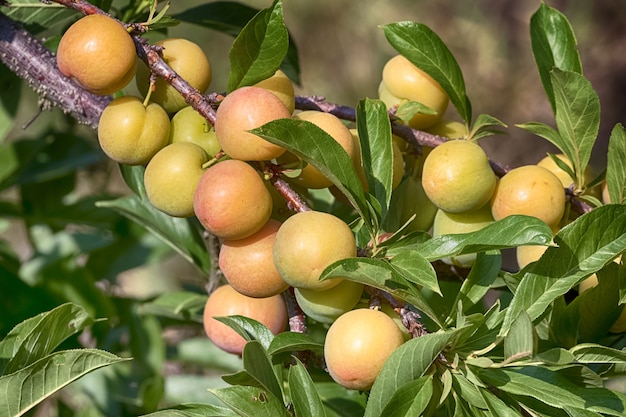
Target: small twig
(410, 318)
(297, 318)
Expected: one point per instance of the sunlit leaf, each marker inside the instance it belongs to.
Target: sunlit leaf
(305, 398)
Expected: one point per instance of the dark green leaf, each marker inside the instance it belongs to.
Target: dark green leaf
(616, 165)
(407, 363)
(182, 235)
(39, 336)
(555, 356)
(376, 149)
(577, 118)
(581, 251)
(468, 390)
(292, 342)
(259, 48)
(420, 45)
(249, 329)
(257, 363)
(194, 410)
(318, 148)
(304, 396)
(509, 232)
(27, 387)
(411, 399)
(553, 44)
(380, 274)
(251, 401)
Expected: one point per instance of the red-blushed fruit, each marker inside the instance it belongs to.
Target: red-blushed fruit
(99, 53)
(307, 243)
(231, 200)
(245, 109)
(530, 190)
(357, 345)
(225, 301)
(248, 263)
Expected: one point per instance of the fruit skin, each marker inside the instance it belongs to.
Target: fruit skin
(457, 176)
(281, 86)
(455, 223)
(311, 177)
(307, 243)
(248, 263)
(566, 180)
(130, 133)
(326, 306)
(187, 125)
(245, 109)
(451, 129)
(530, 190)
(404, 81)
(225, 301)
(171, 178)
(529, 253)
(357, 345)
(98, 53)
(231, 200)
(411, 199)
(189, 61)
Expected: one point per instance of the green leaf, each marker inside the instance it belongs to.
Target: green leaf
(375, 140)
(408, 109)
(259, 48)
(27, 387)
(553, 389)
(616, 165)
(486, 125)
(592, 353)
(577, 118)
(293, 342)
(257, 363)
(249, 329)
(509, 232)
(554, 45)
(581, 251)
(251, 401)
(304, 396)
(180, 305)
(407, 363)
(37, 337)
(555, 356)
(318, 148)
(37, 17)
(468, 390)
(413, 267)
(521, 342)
(194, 410)
(380, 274)
(420, 45)
(181, 234)
(411, 399)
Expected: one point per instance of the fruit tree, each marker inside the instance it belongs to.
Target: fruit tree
(192, 228)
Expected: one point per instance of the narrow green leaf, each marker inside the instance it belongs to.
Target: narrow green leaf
(181, 305)
(497, 407)
(23, 389)
(413, 267)
(543, 131)
(521, 342)
(259, 48)
(577, 118)
(249, 329)
(411, 399)
(375, 140)
(580, 412)
(509, 232)
(194, 410)
(181, 234)
(616, 165)
(380, 274)
(407, 363)
(39, 336)
(423, 47)
(581, 251)
(408, 109)
(293, 342)
(486, 125)
(553, 44)
(257, 363)
(318, 148)
(304, 396)
(37, 17)
(251, 401)
(468, 390)
(591, 353)
(555, 356)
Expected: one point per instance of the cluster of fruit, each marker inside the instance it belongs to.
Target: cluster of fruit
(195, 169)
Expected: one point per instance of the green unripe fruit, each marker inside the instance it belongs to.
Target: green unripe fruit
(457, 176)
(307, 243)
(171, 178)
(325, 306)
(130, 133)
(188, 125)
(410, 199)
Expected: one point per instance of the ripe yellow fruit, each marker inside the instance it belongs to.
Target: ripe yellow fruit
(281, 86)
(530, 190)
(402, 81)
(528, 254)
(451, 129)
(98, 53)
(225, 301)
(566, 180)
(457, 176)
(189, 61)
(357, 345)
